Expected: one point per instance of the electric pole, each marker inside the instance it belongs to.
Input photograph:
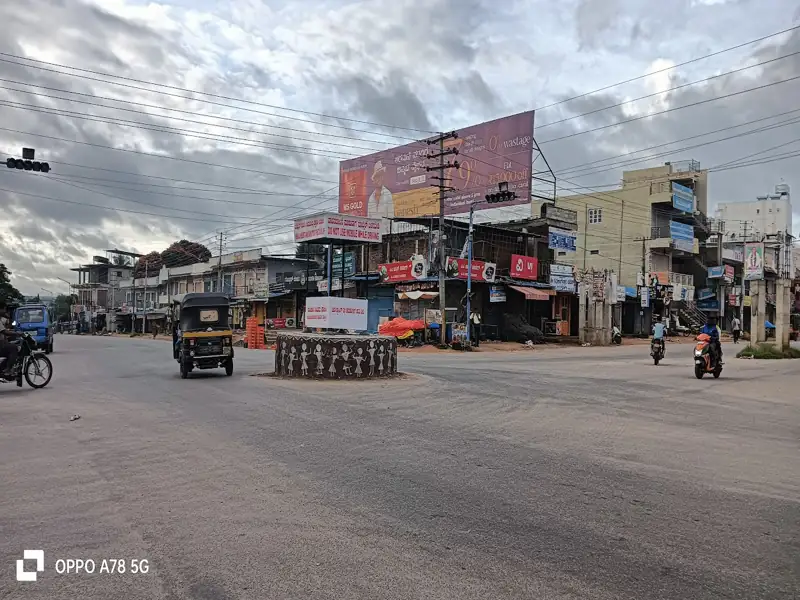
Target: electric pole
(219, 264)
(443, 188)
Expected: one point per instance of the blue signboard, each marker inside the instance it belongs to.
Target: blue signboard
(681, 231)
(705, 293)
(716, 272)
(561, 239)
(708, 304)
(682, 197)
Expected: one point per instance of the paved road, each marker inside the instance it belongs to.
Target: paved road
(576, 473)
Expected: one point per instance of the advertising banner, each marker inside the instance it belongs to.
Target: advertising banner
(684, 245)
(753, 261)
(733, 254)
(404, 270)
(337, 227)
(481, 271)
(716, 272)
(336, 283)
(733, 299)
(332, 312)
(621, 293)
(565, 215)
(433, 315)
(769, 259)
(729, 273)
(524, 267)
(561, 239)
(497, 293)
(396, 183)
(705, 293)
(349, 264)
(645, 297)
(682, 197)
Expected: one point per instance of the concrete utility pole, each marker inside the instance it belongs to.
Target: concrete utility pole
(741, 296)
(443, 188)
(219, 265)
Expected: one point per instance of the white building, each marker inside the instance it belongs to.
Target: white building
(767, 218)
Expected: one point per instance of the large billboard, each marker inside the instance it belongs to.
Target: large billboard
(396, 183)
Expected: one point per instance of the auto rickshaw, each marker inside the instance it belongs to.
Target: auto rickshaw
(202, 337)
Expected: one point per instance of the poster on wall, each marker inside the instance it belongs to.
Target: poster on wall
(497, 293)
(404, 270)
(753, 262)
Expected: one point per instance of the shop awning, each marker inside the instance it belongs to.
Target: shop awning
(533, 293)
(417, 295)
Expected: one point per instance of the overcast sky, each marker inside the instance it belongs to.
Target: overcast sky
(423, 65)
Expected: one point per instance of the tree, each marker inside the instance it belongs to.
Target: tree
(149, 264)
(62, 306)
(183, 253)
(8, 293)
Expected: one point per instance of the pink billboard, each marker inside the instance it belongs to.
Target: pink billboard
(395, 182)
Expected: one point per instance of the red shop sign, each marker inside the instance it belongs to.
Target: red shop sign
(481, 271)
(524, 267)
(407, 270)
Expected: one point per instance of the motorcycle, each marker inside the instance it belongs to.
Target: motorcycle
(703, 361)
(616, 336)
(657, 350)
(31, 363)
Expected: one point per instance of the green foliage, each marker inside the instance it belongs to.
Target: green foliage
(768, 352)
(61, 306)
(8, 293)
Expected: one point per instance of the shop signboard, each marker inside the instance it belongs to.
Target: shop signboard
(753, 261)
(733, 299)
(705, 293)
(556, 213)
(332, 312)
(405, 270)
(562, 283)
(561, 239)
(645, 297)
(733, 254)
(300, 280)
(349, 264)
(621, 294)
(481, 271)
(716, 272)
(710, 304)
(747, 301)
(333, 226)
(729, 273)
(524, 267)
(322, 286)
(682, 197)
(559, 269)
(497, 293)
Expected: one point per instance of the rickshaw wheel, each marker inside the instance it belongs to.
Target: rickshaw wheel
(229, 367)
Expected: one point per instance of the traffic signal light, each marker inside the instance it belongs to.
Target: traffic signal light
(497, 197)
(27, 165)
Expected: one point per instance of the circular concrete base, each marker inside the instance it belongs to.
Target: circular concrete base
(320, 356)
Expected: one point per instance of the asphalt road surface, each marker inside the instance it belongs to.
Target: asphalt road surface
(547, 474)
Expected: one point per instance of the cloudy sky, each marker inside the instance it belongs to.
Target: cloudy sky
(293, 86)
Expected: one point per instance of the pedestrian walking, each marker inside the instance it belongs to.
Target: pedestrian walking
(736, 328)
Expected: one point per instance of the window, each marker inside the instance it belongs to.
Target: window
(758, 211)
(30, 315)
(119, 273)
(562, 253)
(210, 315)
(127, 297)
(594, 251)
(595, 215)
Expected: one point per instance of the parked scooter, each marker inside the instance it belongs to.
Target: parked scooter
(616, 336)
(703, 361)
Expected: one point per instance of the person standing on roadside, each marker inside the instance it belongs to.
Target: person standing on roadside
(736, 328)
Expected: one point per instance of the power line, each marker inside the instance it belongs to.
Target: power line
(677, 87)
(664, 70)
(668, 110)
(163, 156)
(209, 94)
